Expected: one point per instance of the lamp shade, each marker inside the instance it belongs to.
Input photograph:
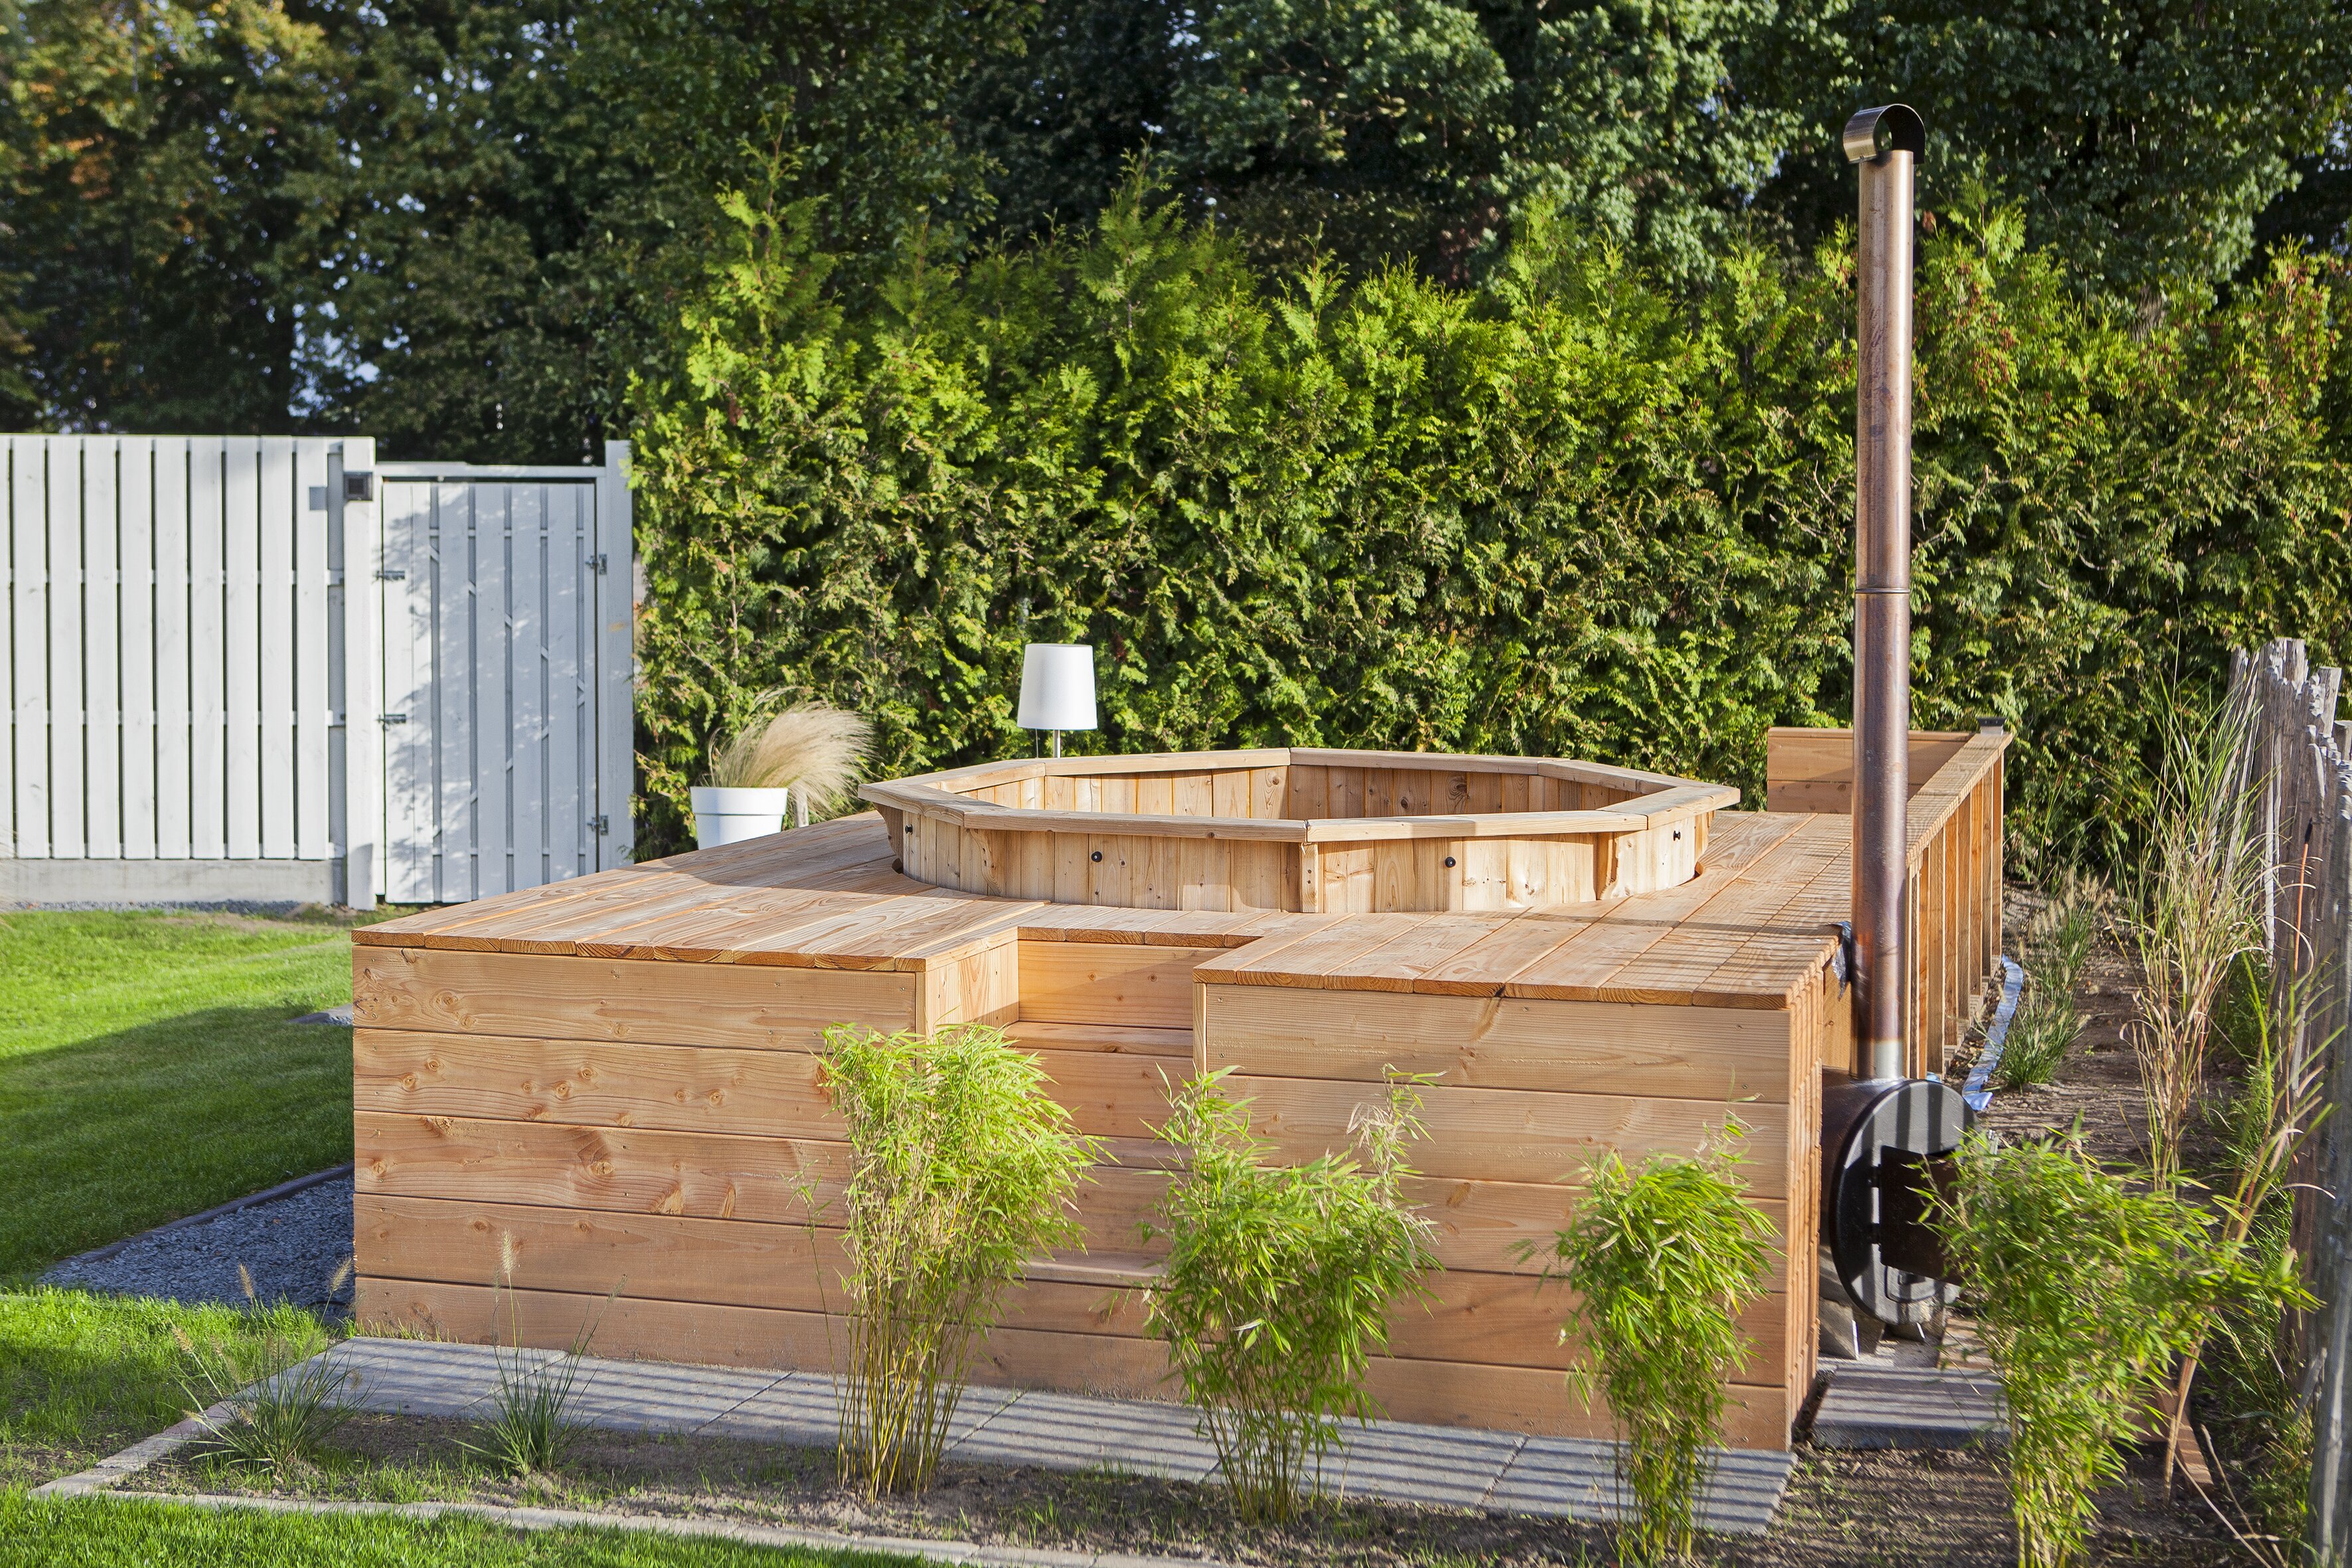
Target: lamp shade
(1057, 686)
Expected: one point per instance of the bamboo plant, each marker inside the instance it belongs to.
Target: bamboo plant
(1664, 1257)
(962, 1170)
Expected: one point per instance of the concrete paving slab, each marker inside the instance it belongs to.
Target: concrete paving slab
(659, 1397)
(1386, 1460)
(1445, 1467)
(1575, 1478)
(1564, 1478)
(1869, 1406)
(419, 1377)
(796, 1409)
(1069, 1432)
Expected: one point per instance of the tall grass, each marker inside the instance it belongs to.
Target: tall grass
(2193, 911)
(1278, 1282)
(2279, 1100)
(2058, 945)
(531, 1428)
(283, 1396)
(962, 1170)
(1663, 1257)
(811, 747)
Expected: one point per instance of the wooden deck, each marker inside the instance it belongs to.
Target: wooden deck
(620, 1074)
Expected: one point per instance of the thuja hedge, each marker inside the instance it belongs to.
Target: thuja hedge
(1563, 513)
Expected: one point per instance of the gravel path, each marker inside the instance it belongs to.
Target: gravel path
(292, 1246)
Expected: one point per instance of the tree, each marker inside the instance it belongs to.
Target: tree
(160, 190)
(542, 184)
(459, 227)
(1424, 129)
(2140, 137)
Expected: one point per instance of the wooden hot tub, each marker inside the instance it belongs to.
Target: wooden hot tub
(617, 1078)
(1314, 832)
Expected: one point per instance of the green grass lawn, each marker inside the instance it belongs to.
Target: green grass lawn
(148, 1069)
(94, 1534)
(83, 1376)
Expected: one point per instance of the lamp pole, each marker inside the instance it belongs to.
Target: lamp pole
(1884, 142)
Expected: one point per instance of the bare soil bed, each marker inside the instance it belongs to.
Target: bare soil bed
(1937, 1511)
(2098, 1082)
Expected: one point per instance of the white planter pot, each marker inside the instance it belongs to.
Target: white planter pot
(732, 815)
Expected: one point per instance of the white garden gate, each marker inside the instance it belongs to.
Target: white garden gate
(506, 677)
(201, 707)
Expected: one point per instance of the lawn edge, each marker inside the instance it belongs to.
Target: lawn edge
(120, 1466)
(779, 1537)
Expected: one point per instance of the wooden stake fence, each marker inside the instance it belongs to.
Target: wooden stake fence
(2298, 773)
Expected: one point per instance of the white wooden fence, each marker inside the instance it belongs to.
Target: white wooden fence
(199, 705)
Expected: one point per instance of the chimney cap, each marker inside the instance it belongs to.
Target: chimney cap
(1905, 133)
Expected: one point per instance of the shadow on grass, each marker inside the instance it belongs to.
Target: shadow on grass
(110, 1136)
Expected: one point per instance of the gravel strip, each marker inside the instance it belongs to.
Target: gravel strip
(293, 1247)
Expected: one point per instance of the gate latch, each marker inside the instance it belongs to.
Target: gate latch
(600, 825)
(390, 574)
(596, 565)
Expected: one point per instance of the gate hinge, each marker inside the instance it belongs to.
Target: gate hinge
(600, 825)
(393, 719)
(392, 574)
(596, 562)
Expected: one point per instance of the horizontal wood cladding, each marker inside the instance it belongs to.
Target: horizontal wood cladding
(629, 1170)
(1502, 1318)
(667, 1258)
(1718, 1054)
(1514, 1135)
(619, 999)
(1113, 1087)
(1808, 769)
(1481, 1224)
(1127, 870)
(592, 1083)
(625, 1170)
(633, 1111)
(1440, 1392)
(1109, 983)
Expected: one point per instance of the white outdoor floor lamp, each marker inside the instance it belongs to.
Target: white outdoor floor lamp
(1057, 687)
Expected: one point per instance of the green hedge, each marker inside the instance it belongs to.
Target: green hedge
(1565, 514)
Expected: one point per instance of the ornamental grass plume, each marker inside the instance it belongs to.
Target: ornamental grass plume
(2194, 912)
(813, 748)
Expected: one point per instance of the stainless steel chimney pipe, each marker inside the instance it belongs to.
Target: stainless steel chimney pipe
(1884, 142)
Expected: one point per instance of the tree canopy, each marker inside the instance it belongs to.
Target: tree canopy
(464, 227)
